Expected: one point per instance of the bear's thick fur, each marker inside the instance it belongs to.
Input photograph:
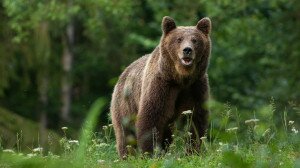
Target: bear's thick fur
(155, 89)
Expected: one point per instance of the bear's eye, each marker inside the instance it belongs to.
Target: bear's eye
(179, 40)
(194, 41)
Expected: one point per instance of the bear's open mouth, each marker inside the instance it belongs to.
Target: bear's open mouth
(187, 61)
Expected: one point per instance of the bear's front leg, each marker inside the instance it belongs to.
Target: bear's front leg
(200, 112)
(199, 125)
(151, 118)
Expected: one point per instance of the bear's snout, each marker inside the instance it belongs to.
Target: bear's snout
(187, 51)
(187, 57)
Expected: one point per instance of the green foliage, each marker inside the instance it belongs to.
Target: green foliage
(255, 59)
(251, 52)
(88, 127)
(254, 56)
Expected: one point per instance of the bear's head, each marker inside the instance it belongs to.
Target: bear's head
(188, 47)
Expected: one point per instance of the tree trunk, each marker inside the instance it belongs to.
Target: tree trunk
(66, 81)
(42, 49)
(43, 99)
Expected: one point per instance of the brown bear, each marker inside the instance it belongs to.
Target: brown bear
(153, 91)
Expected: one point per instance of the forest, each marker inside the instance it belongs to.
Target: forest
(60, 60)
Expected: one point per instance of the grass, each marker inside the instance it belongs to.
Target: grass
(233, 140)
(21, 133)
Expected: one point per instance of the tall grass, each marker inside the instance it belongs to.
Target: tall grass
(235, 139)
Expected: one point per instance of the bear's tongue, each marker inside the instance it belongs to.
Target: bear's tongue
(186, 61)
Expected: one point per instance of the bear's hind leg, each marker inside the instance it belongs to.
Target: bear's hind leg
(120, 139)
(125, 136)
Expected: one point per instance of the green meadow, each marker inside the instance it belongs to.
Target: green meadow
(231, 141)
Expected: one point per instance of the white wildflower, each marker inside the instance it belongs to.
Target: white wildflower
(100, 161)
(187, 112)
(104, 127)
(55, 156)
(74, 142)
(203, 138)
(232, 129)
(103, 145)
(30, 155)
(110, 125)
(117, 160)
(294, 130)
(8, 151)
(251, 121)
(64, 128)
(39, 149)
(189, 133)
(291, 122)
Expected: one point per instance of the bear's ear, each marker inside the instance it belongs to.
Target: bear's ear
(204, 25)
(167, 24)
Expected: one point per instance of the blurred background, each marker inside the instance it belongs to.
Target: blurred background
(58, 56)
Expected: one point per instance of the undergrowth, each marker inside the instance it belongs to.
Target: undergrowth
(234, 139)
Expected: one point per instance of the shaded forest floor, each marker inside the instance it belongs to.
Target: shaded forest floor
(22, 134)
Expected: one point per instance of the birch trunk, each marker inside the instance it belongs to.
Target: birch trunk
(66, 81)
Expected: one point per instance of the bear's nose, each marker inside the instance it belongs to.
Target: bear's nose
(187, 50)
